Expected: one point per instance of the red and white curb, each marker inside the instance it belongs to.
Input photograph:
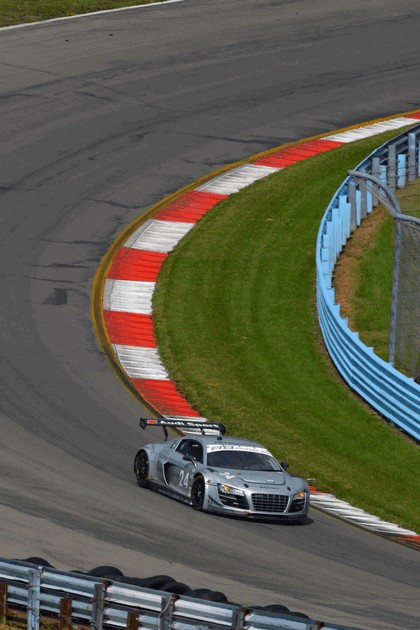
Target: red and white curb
(131, 280)
(329, 503)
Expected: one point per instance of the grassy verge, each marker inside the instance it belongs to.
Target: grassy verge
(237, 327)
(24, 11)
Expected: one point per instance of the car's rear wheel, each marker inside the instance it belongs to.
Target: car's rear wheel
(197, 493)
(141, 469)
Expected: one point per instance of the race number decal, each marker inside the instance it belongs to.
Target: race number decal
(184, 479)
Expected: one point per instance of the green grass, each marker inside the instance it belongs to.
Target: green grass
(237, 328)
(24, 11)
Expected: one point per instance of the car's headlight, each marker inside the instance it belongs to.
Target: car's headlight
(299, 495)
(224, 488)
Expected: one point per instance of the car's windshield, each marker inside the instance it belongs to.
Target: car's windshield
(242, 460)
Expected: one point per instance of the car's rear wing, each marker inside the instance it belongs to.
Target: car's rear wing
(188, 425)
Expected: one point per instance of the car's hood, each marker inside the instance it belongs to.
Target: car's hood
(253, 477)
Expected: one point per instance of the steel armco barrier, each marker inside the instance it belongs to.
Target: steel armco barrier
(387, 390)
(73, 598)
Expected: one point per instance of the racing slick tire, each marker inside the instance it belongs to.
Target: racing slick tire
(277, 608)
(38, 561)
(197, 493)
(105, 571)
(207, 594)
(157, 581)
(141, 469)
(175, 587)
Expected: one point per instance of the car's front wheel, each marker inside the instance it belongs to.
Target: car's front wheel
(197, 493)
(141, 469)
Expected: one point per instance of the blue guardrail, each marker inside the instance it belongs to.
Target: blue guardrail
(391, 393)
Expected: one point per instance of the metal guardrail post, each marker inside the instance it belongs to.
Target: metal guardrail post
(363, 203)
(98, 605)
(392, 175)
(66, 606)
(238, 620)
(133, 620)
(3, 602)
(376, 171)
(166, 614)
(353, 207)
(401, 170)
(411, 157)
(34, 598)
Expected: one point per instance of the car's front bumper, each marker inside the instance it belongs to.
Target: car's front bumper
(259, 504)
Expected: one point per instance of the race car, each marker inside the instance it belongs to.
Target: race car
(216, 473)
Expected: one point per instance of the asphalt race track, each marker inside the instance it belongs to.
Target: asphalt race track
(100, 117)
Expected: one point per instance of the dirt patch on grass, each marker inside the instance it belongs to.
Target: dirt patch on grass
(346, 272)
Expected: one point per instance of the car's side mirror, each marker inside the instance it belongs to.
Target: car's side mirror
(284, 465)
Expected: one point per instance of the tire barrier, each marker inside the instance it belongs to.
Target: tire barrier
(33, 591)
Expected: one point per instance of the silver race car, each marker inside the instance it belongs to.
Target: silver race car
(216, 473)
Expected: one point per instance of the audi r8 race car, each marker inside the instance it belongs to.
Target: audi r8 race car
(216, 473)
